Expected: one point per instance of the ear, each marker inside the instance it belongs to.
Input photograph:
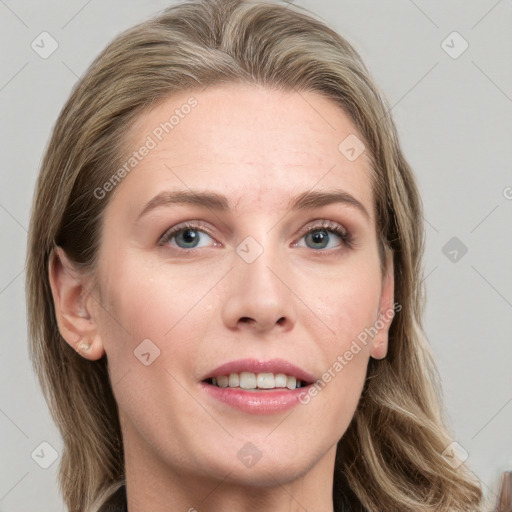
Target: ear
(73, 306)
(385, 311)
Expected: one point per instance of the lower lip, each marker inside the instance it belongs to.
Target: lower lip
(256, 402)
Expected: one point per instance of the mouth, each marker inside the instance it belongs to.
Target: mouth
(257, 387)
(264, 381)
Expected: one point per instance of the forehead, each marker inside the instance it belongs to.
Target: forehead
(257, 146)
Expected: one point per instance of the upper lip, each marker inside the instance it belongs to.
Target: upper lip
(259, 366)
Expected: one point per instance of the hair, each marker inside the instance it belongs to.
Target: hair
(391, 456)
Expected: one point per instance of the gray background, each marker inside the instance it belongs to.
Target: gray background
(454, 117)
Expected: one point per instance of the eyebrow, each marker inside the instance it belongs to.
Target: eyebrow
(215, 201)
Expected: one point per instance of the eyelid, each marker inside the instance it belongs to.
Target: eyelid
(347, 239)
(315, 225)
(190, 224)
(325, 224)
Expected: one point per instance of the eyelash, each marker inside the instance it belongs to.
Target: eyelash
(326, 225)
(345, 237)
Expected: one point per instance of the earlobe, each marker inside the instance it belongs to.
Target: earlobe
(92, 348)
(70, 297)
(386, 312)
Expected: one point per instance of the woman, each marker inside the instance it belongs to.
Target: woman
(224, 278)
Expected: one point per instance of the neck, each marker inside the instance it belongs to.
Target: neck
(152, 484)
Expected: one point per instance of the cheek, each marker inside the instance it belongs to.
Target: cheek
(152, 309)
(145, 299)
(345, 303)
(348, 306)
(345, 306)
(135, 315)
(150, 334)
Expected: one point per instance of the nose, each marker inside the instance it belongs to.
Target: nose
(258, 297)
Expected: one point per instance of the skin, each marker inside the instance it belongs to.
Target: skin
(209, 306)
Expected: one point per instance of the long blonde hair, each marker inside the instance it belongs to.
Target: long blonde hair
(391, 456)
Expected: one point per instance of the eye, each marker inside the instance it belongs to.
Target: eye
(325, 235)
(186, 236)
(191, 235)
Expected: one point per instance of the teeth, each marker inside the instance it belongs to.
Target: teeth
(265, 381)
(234, 380)
(280, 380)
(248, 380)
(222, 381)
(291, 383)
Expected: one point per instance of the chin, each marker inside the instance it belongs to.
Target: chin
(267, 474)
(263, 464)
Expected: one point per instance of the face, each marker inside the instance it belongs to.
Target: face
(238, 259)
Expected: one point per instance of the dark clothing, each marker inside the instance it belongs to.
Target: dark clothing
(117, 502)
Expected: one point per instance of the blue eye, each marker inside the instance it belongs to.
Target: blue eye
(324, 236)
(185, 236)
